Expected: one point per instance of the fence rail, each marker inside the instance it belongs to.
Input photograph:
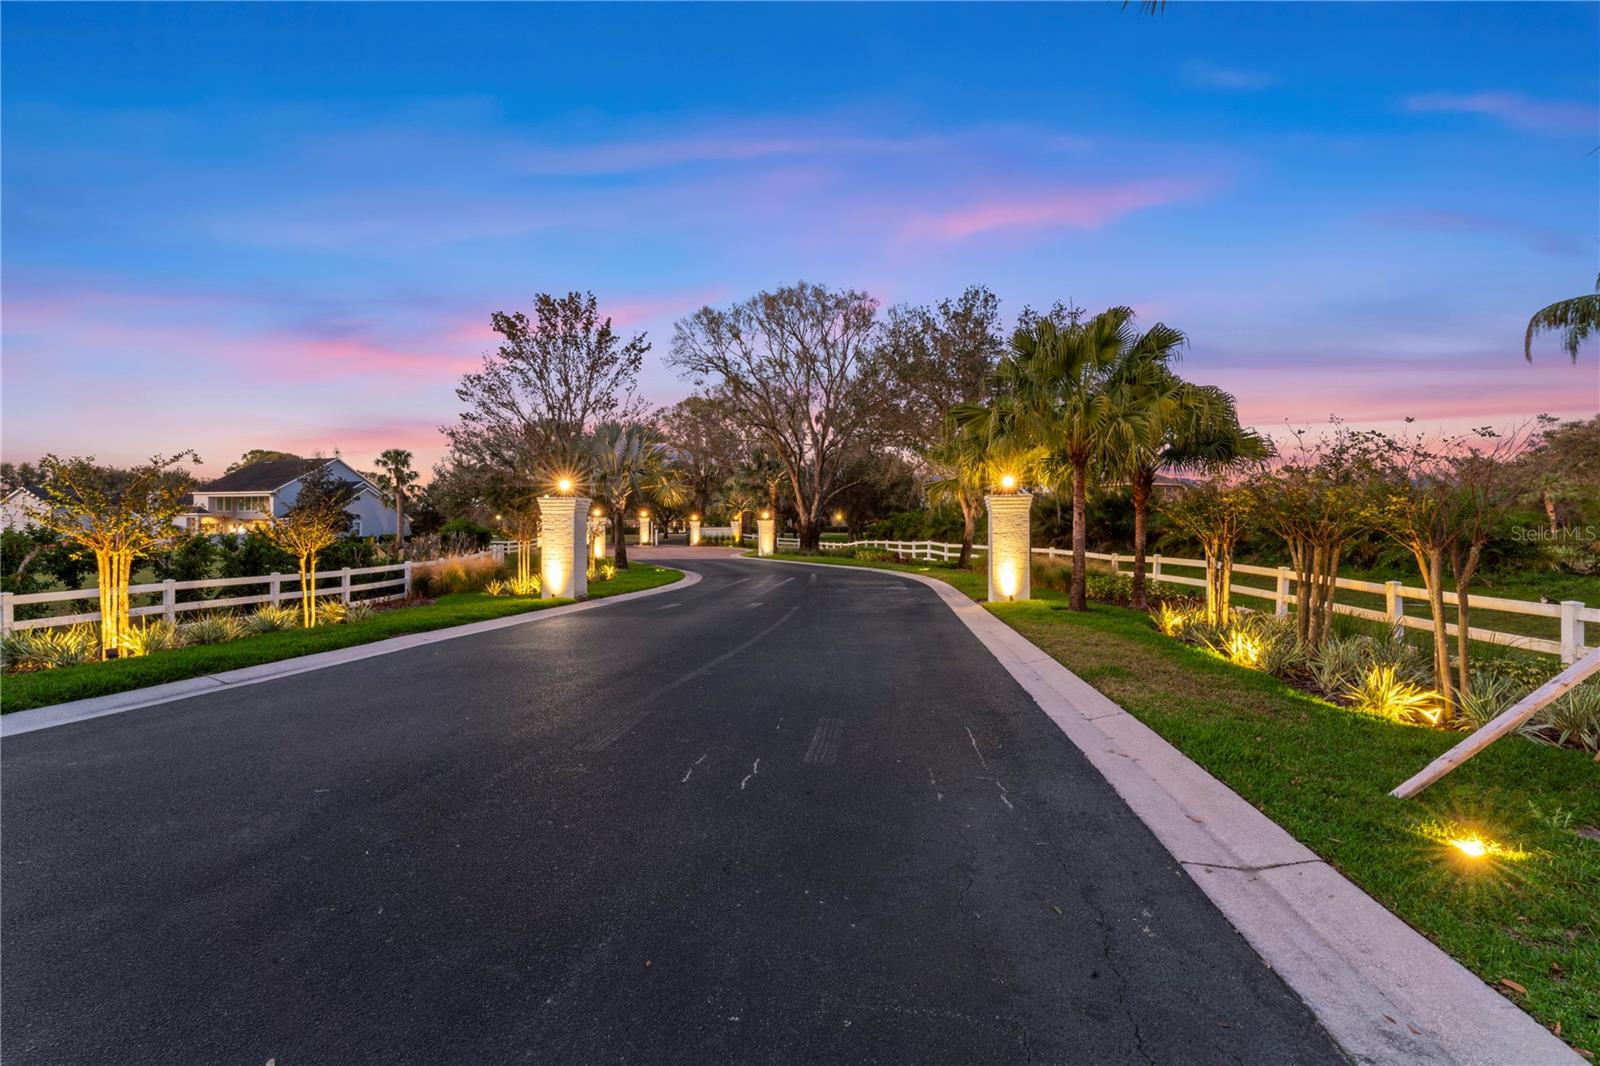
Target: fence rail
(280, 587)
(1572, 614)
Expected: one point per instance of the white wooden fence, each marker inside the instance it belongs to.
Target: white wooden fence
(1573, 614)
(280, 587)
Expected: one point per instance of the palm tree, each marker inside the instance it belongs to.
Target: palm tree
(1079, 392)
(1574, 319)
(397, 479)
(1190, 427)
(628, 462)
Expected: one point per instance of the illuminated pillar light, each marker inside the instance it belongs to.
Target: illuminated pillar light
(644, 528)
(597, 527)
(694, 530)
(563, 541)
(737, 525)
(766, 535)
(1010, 554)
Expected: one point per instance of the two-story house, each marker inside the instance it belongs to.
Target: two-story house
(251, 494)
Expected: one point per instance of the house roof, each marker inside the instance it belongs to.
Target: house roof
(265, 476)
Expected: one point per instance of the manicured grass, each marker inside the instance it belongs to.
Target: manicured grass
(22, 691)
(1324, 773)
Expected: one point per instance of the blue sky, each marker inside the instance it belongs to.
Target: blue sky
(286, 226)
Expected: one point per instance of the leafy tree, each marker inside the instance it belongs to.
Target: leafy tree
(257, 455)
(116, 517)
(311, 524)
(396, 478)
(187, 558)
(934, 358)
(16, 475)
(1563, 463)
(705, 443)
(799, 364)
(1575, 319)
(554, 378)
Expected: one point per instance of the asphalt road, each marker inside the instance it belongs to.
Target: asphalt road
(784, 815)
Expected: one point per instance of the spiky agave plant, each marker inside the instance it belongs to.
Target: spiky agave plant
(1382, 692)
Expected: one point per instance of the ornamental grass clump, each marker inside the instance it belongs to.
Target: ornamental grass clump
(445, 576)
(46, 649)
(271, 619)
(212, 629)
(150, 637)
(1383, 692)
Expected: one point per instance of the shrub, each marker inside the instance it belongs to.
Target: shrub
(1384, 693)
(459, 531)
(1259, 641)
(212, 629)
(1118, 589)
(46, 649)
(270, 619)
(359, 611)
(151, 636)
(513, 586)
(1571, 721)
(606, 569)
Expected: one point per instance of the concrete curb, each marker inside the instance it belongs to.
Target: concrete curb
(1384, 992)
(18, 722)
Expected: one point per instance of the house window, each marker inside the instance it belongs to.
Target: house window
(262, 504)
(355, 526)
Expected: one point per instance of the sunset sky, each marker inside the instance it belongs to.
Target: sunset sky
(280, 226)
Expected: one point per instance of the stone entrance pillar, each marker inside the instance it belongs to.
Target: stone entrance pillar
(597, 530)
(563, 545)
(736, 523)
(1010, 548)
(694, 530)
(766, 534)
(645, 530)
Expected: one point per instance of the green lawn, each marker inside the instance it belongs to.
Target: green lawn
(1324, 773)
(21, 691)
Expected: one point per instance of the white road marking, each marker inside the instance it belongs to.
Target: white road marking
(754, 603)
(981, 761)
(1003, 798)
(690, 771)
(753, 770)
(668, 606)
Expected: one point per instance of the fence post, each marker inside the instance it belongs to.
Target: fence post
(1394, 604)
(344, 585)
(405, 589)
(275, 588)
(1155, 567)
(8, 612)
(1280, 599)
(169, 599)
(1115, 560)
(1571, 631)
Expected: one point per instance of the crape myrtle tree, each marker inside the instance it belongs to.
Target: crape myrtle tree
(116, 516)
(1317, 500)
(313, 523)
(1217, 513)
(799, 364)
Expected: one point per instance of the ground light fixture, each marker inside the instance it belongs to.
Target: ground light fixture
(1471, 847)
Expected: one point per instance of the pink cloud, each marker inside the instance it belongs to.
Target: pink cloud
(1083, 207)
(1514, 109)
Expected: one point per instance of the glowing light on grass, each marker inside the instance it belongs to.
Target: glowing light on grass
(1005, 576)
(1471, 847)
(1469, 843)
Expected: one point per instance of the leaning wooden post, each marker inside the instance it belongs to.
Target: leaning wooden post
(1010, 554)
(1503, 723)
